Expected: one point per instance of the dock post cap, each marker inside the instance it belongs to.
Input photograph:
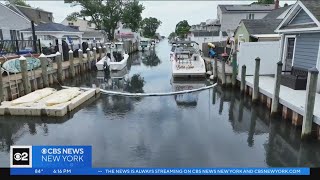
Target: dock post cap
(42, 55)
(257, 59)
(280, 63)
(70, 51)
(244, 66)
(94, 48)
(313, 70)
(22, 58)
(58, 53)
(104, 46)
(79, 50)
(88, 49)
(99, 47)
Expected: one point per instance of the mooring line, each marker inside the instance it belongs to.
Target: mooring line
(148, 94)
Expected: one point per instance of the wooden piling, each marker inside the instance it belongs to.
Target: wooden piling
(223, 73)
(255, 93)
(286, 113)
(1, 85)
(95, 54)
(309, 104)
(100, 52)
(71, 67)
(104, 49)
(81, 61)
(234, 69)
(215, 75)
(59, 67)
(276, 91)
(88, 59)
(243, 79)
(44, 70)
(24, 74)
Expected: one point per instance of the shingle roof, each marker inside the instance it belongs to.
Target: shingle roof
(53, 27)
(261, 26)
(249, 7)
(277, 12)
(90, 34)
(313, 6)
(208, 33)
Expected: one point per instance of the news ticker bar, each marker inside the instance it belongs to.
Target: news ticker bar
(160, 171)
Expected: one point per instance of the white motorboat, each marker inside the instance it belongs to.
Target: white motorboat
(144, 45)
(187, 61)
(116, 60)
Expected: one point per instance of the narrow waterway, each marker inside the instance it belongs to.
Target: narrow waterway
(211, 128)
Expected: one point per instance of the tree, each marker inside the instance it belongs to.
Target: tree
(149, 26)
(172, 35)
(182, 28)
(106, 14)
(19, 2)
(265, 1)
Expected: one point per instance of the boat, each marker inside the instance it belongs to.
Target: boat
(187, 61)
(116, 60)
(187, 99)
(13, 65)
(145, 44)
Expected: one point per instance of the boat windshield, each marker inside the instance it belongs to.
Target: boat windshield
(144, 43)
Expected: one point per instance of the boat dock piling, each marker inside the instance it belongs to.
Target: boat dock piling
(25, 77)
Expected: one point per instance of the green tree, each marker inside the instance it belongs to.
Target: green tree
(265, 1)
(106, 14)
(19, 2)
(182, 28)
(149, 26)
(172, 35)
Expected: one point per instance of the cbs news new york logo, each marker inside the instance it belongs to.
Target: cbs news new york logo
(21, 156)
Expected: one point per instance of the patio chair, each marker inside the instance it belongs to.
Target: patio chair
(295, 79)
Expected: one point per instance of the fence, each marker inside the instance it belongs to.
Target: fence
(268, 52)
(19, 47)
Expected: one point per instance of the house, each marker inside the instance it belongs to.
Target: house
(254, 30)
(83, 24)
(300, 36)
(229, 16)
(36, 15)
(56, 35)
(126, 34)
(209, 25)
(11, 23)
(203, 36)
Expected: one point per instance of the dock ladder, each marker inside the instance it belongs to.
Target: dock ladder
(13, 83)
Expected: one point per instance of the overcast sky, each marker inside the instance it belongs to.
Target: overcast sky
(169, 12)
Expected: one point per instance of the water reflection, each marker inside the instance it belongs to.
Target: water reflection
(150, 58)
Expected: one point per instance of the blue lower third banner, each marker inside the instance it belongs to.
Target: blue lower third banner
(160, 171)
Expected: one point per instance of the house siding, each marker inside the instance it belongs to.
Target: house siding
(242, 30)
(306, 50)
(302, 17)
(9, 20)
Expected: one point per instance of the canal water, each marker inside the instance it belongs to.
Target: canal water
(211, 128)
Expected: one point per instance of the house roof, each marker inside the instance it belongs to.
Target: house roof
(53, 27)
(313, 6)
(261, 26)
(91, 34)
(249, 7)
(35, 9)
(274, 14)
(208, 33)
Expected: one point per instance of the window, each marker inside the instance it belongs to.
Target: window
(39, 14)
(250, 16)
(13, 35)
(1, 35)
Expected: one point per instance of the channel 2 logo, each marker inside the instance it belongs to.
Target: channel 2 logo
(21, 156)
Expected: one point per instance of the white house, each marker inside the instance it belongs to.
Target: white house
(231, 15)
(201, 36)
(83, 24)
(125, 33)
(11, 23)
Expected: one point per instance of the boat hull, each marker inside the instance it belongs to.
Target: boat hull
(117, 66)
(198, 71)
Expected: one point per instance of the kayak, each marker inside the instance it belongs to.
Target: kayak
(13, 65)
(62, 96)
(33, 97)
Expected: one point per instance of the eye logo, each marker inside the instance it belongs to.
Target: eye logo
(20, 156)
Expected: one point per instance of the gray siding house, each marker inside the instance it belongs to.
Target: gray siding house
(11, 23)
(300, 36)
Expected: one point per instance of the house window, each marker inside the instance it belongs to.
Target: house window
(1, 35)
(250, 16)
(39, 15)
